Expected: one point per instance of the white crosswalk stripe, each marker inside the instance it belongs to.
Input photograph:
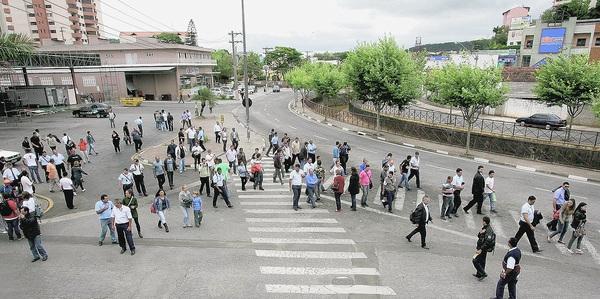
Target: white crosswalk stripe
(296, 230)
(377, 198)
(399, 201)
(263, 196)
(318, 271)
(286, 211)
(291, 220)
(252, 191)
(265, 203)
(310, 254)
(470, 221)
(329, 289)
(303, 241)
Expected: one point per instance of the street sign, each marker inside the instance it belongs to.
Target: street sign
(249, 103)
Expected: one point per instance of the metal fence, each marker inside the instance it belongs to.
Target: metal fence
(495, 127)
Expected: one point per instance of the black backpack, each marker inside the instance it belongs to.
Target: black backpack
(5, 209)
(415, 216)
(490, 240)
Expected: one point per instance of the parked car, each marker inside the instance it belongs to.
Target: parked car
(216, 91)
(227, 92)
(251, 89)
(10, 156)
(96, 110)
(276, 88)
(546, 120)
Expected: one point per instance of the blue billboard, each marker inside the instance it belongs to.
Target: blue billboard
(551, 40)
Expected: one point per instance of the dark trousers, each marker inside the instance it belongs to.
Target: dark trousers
(338, 201)
(170, 177)
(477, 199)
(205, 181)
(138, 145)
(196, 161)
(137, 224)
(235, 143)
(511, 281)
(457, 201)
(220, 191)
(218, 137)
(224, 145)
(421, 230)
(161, 181)
(389, 195)
(232, 166)
(415, 173)
(343, 162)
(170, 125)
(141, 130)
(45, 172)
(117, 147)
(124, 234)
(525, 229)
(201, 144)
(139, 183)
(62, 171)
(244, 181)
(297, 189)
(127, 187)
(479, 263)
(13, 228)
(69, 198)
(294, 157)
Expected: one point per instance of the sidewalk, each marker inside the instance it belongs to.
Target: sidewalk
(147, 155)
(426, 106)
(572, 173)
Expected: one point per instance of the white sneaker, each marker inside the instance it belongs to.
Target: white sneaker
(4, 232)
(569, 251)
(578, 251)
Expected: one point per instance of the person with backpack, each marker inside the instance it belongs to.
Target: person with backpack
(180, 152)
(486, 242)
(10, 213)
(420, 216)
(390, 188)
(578, 225)
(132, 203)
(404, 165)
(510, 271)
(31, 230)
(344, 155)
(160, 206)
(185, 201)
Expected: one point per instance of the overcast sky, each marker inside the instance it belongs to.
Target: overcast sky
(317, 25)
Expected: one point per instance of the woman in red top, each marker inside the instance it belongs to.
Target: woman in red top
(338, 189)
(83, 146)
(12, 218)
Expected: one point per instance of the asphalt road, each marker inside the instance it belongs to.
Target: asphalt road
(262, 249)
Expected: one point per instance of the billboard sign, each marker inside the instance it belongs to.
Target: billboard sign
(551, 40)
(520, 23)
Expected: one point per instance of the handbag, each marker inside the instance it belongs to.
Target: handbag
(39, 212)
(370, 184)
(556, 215)
(153, 208)
(580, 231)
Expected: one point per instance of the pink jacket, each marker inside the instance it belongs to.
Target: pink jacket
(365, 177)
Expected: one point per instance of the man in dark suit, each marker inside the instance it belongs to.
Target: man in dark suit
(477, 190)
(420, 217)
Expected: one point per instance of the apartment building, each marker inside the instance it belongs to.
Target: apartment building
(66, 21)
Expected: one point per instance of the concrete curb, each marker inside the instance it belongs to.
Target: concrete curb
(481, 160)
(47, 199)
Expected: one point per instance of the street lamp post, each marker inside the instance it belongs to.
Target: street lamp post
(246, 99)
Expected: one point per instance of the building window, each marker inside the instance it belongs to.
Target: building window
(581, 42)
(32, 23)
(529, 44)
(89, 81)
(48, 6)
(52, 31)
(51, 23)
(32, 15)
(5, 81)
(149, 54)
(29, 6)
(46, 81)
(597, 42)
(526, 61)
(108, 55)
(49, 14)
(34, 31)
(66, 81)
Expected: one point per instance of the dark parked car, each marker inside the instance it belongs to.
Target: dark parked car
(548, 121)
(96, 110)
(276, 88)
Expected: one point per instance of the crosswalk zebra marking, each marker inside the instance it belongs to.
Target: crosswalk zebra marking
(263, 196)
(292, 220)
(399, 201)
(310, 254)
(285, 211)
(296, 229)
(303, 241)
(330, 289)
(318, 271)
(265, 203)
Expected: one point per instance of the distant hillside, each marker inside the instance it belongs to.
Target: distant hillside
(454, 46)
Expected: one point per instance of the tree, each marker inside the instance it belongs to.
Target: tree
(571, 81)
(205, 97)
(255, 66)
(383, 74)
(169, 38)
(575, 8)
(14, 46)
(300, 79)
(224, 66)
(469, 88)
(192, 34)
(327, 80)
(500, 37)
(283, 59)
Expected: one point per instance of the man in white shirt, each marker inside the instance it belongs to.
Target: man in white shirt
(458, 183)
(11, 173)
(121, 222)
(295, 182)
(309, 165)
(219, 188)
(139, 124)
(217, 130)
(414, 169)
(111, 118)
(66, 185)
(231, 156)
(526, 224)
(26, 183)
(59, 162)
(490, 191)
(137, 169)
(30, 160)
(126, 180)
(191, 137)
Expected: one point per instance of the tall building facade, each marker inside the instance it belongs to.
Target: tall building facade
(67, 21)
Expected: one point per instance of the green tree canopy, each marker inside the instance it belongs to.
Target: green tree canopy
(571, 81)
(575, 8)
(169, 38)
(255, 66)
(383, 74)
(14, 46)
(224, 65)
(204, 96)
(469, 88)
(327, 80)
(283, 59)
(300, 78)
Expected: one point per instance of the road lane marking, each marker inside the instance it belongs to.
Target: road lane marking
(293, 128)
(526, 168)
(292, 220)
(286, 211)
(263, 196)
(318, 271)
(497, 226)
(420, 195)
(264, 184)
(252, 191)
(577, 178)
(69, 217)
(377, 199)
(303, 241)
(296, 229)
(542, 189)
(310, 254)
(441, 152)
(366, 150)
(592, 250)
(470, 221)
(399, 201)
(319, 137)
(442, 168)
(265, 203)
(330, 289)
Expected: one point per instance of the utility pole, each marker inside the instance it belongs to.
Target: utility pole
(234, 60)
(307, 53)
(266, 49)
(246, 74)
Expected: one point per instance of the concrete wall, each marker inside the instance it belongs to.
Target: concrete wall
(516, 107)
(154, 56)
(156, 84)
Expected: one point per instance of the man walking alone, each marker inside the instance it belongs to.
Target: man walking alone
(486, 240)
(477, 190)
(420, 217)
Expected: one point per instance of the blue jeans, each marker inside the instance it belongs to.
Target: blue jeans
(35, 245)
(106, 225)
(492, 197)
(186, 216)
(311, 195)
(181, 165)
(404, 179)
(562, 230)
(35, 175)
